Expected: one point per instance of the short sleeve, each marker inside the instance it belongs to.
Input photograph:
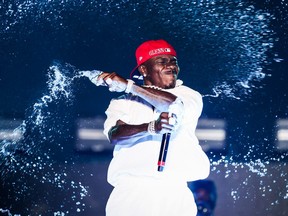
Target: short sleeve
(115, 112)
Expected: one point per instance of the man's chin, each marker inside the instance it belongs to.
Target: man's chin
(171, 85)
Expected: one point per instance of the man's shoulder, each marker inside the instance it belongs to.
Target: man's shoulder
(187, 90)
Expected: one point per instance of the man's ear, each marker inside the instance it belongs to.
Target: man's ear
(143, 70)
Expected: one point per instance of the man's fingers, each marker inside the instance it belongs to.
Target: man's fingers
(108, 81)
(172, 121)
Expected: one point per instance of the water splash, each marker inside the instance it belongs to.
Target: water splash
(223, 88)
(23, 156)
(31, 157)
(8, 212)
(263, 176)
(233, 36)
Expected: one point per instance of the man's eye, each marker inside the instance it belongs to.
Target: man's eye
(166, 61)
(162, 61)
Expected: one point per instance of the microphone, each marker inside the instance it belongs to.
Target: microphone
(163, 151)
(165, 144)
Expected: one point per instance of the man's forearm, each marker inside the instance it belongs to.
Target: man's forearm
(157, 98)
(122, 132)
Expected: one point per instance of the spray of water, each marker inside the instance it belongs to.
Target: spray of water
(233, 36)
(42, 167)
(30, 156)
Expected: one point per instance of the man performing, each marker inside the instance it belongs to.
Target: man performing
(135, 124)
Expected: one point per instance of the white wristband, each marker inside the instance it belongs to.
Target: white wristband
(151, 128)
(129, 85)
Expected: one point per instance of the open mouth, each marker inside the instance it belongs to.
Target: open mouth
(170, 72)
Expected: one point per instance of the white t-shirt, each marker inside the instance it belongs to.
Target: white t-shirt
(185, 160)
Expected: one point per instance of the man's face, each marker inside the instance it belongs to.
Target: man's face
(161, 71)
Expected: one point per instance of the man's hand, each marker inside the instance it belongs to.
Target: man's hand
(115, 82)
(176, 109)
(166, 123)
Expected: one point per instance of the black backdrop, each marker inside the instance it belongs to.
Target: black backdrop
(215, 44)
(104, 35)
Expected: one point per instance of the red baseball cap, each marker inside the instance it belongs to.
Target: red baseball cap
(148, 50)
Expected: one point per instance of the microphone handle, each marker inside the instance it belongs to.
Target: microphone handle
(163, 151)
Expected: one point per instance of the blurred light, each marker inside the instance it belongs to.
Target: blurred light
(10, 135)
(210, 132)
(90, 135)
(9, 130)
(282, 135)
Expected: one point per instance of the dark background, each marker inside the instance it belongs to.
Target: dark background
(104, 36)
(214, 47)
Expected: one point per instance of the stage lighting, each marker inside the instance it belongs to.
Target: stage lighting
(210, 132)
(10, 130)
(282, 135)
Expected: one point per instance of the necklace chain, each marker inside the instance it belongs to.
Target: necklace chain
(178, 83)
(152, 86)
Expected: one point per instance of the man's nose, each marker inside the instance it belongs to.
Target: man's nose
(172, 66)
